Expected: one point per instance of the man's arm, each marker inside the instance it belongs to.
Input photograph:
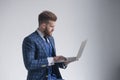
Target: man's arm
(55, 61)
(30, 62)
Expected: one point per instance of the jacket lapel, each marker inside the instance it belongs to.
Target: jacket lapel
(41, 42)
(52, 43)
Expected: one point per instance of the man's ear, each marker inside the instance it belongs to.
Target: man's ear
(43, 25)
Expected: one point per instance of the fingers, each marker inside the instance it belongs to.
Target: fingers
(59, 58)
(62, 58)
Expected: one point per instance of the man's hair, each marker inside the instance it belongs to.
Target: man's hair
(45, 16)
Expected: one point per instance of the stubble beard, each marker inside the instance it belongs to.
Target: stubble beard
(47, 33)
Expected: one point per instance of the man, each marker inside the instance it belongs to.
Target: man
(39, 51)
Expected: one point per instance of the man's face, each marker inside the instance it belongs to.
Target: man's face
(49, 28)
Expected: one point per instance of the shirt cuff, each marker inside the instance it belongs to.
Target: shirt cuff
(50, 61)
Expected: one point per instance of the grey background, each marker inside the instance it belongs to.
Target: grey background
(95, 20)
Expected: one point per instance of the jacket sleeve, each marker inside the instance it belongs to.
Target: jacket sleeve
(28, 49)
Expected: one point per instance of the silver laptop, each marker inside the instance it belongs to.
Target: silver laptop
(70, 59)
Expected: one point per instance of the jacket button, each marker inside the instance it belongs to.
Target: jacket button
(46, 75)
(43, 66)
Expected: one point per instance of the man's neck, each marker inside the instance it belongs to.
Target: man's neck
(41, 30)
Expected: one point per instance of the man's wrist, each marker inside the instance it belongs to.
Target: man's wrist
(50, 61)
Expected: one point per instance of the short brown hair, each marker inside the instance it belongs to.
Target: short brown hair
(45, 16)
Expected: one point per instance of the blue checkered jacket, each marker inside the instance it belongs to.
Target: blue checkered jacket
(35, 58)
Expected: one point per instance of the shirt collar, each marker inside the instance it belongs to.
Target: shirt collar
(40, 33)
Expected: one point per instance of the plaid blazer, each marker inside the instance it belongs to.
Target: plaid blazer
(35, 58)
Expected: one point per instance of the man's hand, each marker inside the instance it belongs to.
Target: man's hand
(59, 58)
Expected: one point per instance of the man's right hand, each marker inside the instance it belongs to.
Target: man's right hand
(59, 58)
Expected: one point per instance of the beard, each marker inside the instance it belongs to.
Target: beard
(47, 32)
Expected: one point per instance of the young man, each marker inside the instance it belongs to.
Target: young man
(39, 51)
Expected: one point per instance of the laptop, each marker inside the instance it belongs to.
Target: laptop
(79, 54)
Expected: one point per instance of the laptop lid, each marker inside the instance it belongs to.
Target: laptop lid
(83, 44)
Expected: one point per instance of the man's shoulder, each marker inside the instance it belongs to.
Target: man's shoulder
(32, 36)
